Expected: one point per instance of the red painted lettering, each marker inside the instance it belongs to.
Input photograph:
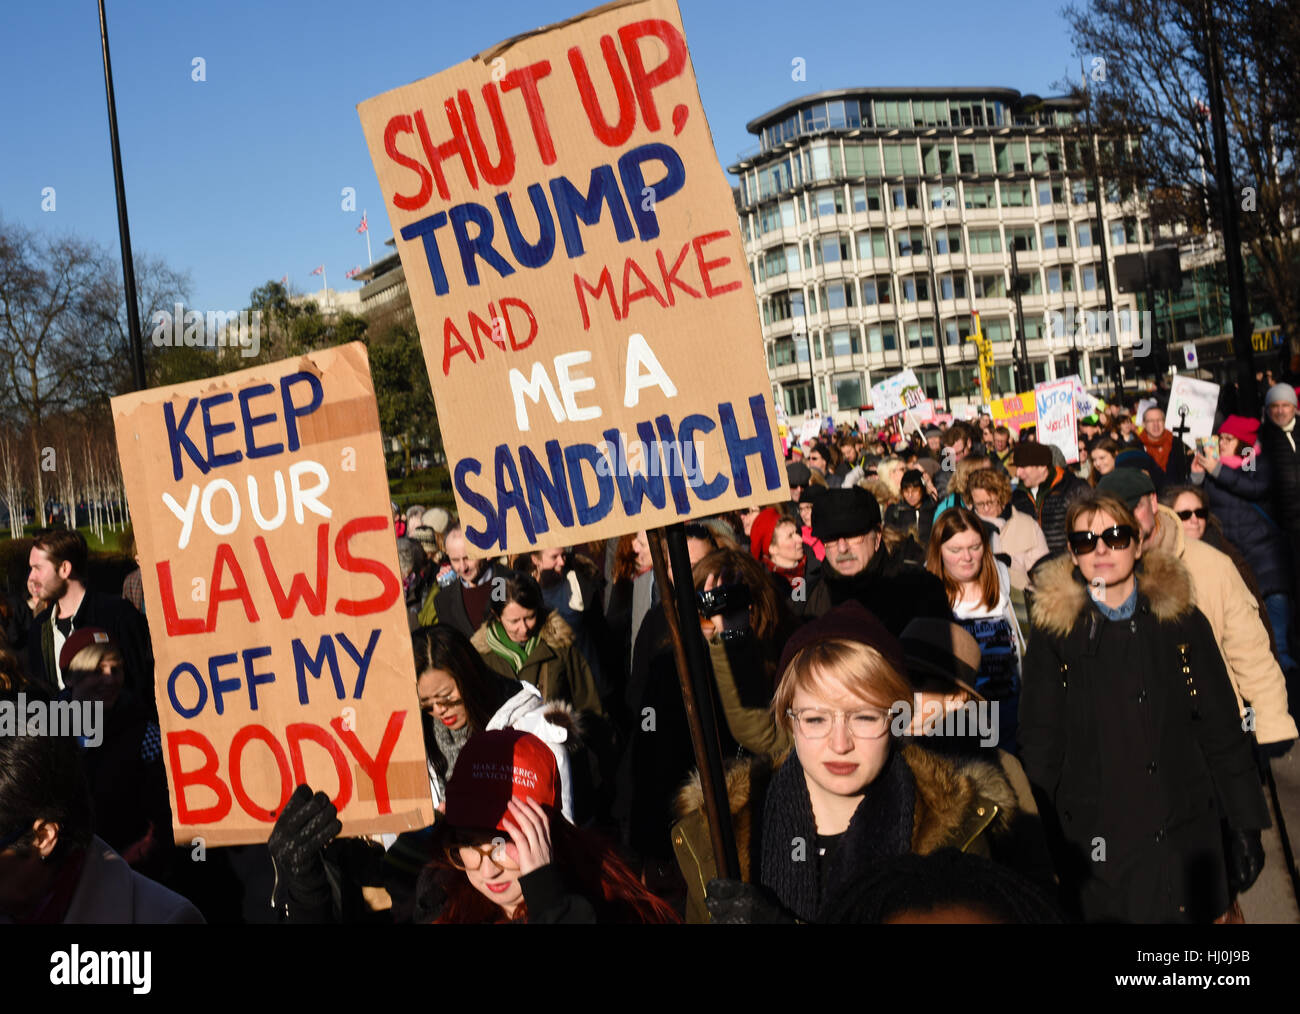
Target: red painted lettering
(392, 587)
(375, 767)
(237, 744)
(206, 776)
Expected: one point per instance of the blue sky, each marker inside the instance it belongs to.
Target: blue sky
(236, 179)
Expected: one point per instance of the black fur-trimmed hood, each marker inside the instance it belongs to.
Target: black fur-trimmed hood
(1061, 596)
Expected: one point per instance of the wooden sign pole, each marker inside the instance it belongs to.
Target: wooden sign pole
(668, 547)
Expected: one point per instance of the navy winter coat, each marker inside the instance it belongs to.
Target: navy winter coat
(1242, 499)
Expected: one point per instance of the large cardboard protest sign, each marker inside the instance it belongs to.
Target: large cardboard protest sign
(1192, 404)
(1057, 420)
(576, 269)
(271, 582)
(1015, 412)
(897, 394)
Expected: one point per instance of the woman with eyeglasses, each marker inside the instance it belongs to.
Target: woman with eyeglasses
(1130, 734)
(1237, 484)
(843, 791)
(979, 593)
(506, 854)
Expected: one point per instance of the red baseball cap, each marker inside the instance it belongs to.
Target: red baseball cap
(83, 638)
(495, 767)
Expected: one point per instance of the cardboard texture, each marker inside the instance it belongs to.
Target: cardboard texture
(1058, 423)
(1192, 404)
(579, 282)
(1015, 411)
(275, 603)
(896, 394)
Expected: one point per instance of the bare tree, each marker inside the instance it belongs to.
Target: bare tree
(45, 352)
(1146, 69)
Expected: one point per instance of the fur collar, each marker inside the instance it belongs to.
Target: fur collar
(556, 634)
(1061, 597)
(948, 789)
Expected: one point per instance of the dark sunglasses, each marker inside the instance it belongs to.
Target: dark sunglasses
(1117, 537)
(1200, 512)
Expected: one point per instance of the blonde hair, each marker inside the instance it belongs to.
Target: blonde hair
(89, 658)
(839, 667)
(890, 472)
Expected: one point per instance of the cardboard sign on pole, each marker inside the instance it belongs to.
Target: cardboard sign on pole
(1057, 421)
(896, 394)
(1191, 409)
(271, 582)
(1015, 411)
(580, 285)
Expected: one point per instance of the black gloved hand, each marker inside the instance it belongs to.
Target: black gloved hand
(1245, 855)
(306, 825)
(735, 903)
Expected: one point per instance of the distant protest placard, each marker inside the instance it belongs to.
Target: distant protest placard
(1015, 411)
(271, 582)
(579, 282)
(1057, 421)
(897, 394)
(1192, 404)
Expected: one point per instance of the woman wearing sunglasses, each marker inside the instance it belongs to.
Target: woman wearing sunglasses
(1130, 734)
(1237, 483)
(505, 853)
(848, 795)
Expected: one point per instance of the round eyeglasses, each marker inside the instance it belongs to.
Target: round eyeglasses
(816, 723)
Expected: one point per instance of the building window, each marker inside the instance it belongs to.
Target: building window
(872, 244)
(845, 341)
(1060, 279)
(833, 249)
(920, 334)
(848, 390)
(1123, 231)
(992, 286)
(1050, 193)
(980, 195)
(1089, 277)
(1056, 236)
(952, 286)
(882, 338)
(861, 160)
(947, 241)
(985, 241)
(905, 197)
(866, 197)
(839, 295)
(1022, 238)
(1083, 233)
(876, 290)
(916, 288)
(911, 242)
(827, 203)
(1031, 282)
(997, 329)
(1017, 195)
(938, 159)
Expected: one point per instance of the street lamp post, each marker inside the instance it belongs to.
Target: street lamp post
(938, 328)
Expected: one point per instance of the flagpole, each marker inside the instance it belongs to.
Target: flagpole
(369, 257)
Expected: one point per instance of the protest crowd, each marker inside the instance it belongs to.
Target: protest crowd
(958, 678)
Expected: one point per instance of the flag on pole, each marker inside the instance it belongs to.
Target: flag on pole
(319, 270)
(363, 227)
(354, 272)
(284, 280)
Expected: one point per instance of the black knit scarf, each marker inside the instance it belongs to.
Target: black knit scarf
(880, 829)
